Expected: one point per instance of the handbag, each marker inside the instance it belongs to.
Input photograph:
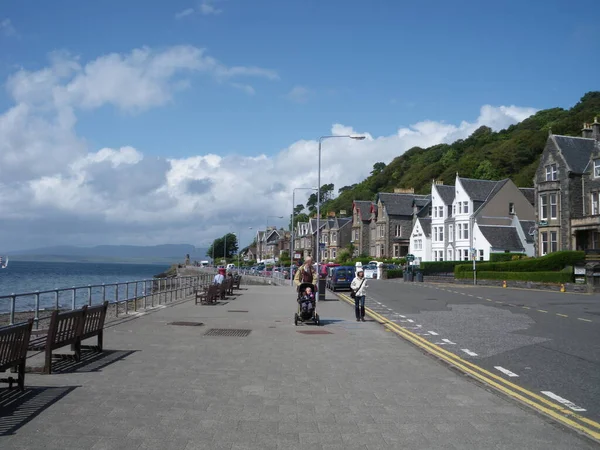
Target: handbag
(353, 293)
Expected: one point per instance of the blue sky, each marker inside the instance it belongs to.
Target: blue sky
(246, 78)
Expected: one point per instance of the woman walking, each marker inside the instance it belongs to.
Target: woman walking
(359, 290)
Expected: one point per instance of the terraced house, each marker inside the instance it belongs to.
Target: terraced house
(335, 234)
(473, 219)
(362, 213)
(567, 193)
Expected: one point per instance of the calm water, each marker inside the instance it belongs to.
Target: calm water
(22, 277)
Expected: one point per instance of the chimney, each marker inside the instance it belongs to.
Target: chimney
(404, 190)
(439, 182)
(586, 131)
(596, 129)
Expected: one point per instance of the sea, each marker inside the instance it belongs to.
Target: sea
(27, 277)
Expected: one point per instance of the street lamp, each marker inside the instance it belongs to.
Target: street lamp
(321, 139)
(292, 247)
(267, 229)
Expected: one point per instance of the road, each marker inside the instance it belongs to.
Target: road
(546, 342)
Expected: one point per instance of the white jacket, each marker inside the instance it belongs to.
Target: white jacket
(356, 283)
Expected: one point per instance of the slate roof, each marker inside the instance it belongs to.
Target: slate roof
(575, 150)
(527, 225)
(343, 221)
(364, 208)
(529, 194)
(502, 238)
(480, 190)
(426, 225)
(399, 204)
(446, 192)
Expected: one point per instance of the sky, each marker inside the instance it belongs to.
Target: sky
(150, 122)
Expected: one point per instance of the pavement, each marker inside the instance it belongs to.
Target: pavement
(546, 342)
(357, 386)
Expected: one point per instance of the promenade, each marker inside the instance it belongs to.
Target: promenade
(166, 386)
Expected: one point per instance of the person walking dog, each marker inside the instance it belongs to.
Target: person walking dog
(358, 292)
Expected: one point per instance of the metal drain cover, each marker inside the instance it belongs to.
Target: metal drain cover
(187, 324)
(314, 332)
(227, 332)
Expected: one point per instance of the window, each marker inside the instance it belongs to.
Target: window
(544, 246)
(553, 206)
(480, 255)
(453, 210)
(441, 211)
(465, 207)
(334, 238)
(459, 207)
(553, 241)
(511, 208)
(397, 251)
(398, 232)
(551, 172)
(595, 197)
(543, 207)
(450, 233)
(465, 231)
(381, 231)
(465, 254)
(450, 258)
(596, 168)
(458, 232)
(435, 211)
(333, 253)
(382, 250)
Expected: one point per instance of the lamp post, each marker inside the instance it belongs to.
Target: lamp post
(321, 139)
(292, 247)
(267, 228)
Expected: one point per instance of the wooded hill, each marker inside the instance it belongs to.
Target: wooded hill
(511, 153)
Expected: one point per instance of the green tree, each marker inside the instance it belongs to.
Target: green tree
(220, 251)
(377, 168)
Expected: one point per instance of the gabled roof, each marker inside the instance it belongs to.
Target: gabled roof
(502, 238)
(399, 204)
(575, 150)
(364, 208)
(341, 222)
(529, 194)
(526, 226)
(425, 225)
(446, 192)
(481, 190)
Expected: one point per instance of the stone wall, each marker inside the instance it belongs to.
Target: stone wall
(569, 287)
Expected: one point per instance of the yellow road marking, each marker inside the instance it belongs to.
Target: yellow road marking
(585, 320)
(525, 307)
(488, 377)
(561, 315)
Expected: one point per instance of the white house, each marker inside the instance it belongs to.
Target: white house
(420, 239)
(442, 197)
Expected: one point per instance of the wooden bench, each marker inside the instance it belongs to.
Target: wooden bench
(210, 295)
(93, 325)
(13, 351)
(223, 290)
(229, 285)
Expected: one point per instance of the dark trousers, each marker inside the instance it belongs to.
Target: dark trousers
(359, 306)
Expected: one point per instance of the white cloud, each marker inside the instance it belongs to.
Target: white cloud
(205, 8)
(7, 28)
(57, 189)
(299, 94)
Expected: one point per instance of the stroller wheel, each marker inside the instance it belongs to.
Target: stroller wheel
(296, 319)
(317, 320)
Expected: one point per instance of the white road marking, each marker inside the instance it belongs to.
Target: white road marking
(506, 371)
(469, 352)
(433, 333)
(564, 401)
(448, 341)
(383, 305)
(410, 320)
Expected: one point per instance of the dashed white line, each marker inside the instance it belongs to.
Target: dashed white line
(433, 333)
(480, 298)
(506, 371)
(410, 320)
(469, 352)
(448, 341)
(564, 401)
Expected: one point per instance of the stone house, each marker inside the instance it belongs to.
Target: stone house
(337, 233)
(361, 219)
(567, 186)
(395, 217)
(277, 241)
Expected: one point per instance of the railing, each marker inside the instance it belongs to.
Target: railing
(158, 290)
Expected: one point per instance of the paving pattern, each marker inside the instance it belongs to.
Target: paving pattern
(168, 386)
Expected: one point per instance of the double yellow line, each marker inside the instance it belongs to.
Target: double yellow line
(541, 404)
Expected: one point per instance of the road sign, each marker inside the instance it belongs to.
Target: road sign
(322, 245)
(410, 257)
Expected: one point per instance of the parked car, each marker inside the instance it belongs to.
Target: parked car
(340, 278)
(370, 271)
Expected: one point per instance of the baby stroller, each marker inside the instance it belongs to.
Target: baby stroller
(309, 314)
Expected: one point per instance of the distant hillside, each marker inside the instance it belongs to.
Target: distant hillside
(168, 253)
(511, 153)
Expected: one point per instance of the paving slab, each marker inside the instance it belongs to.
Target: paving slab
(174, 387)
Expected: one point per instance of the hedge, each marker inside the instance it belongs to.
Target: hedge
(543, 277)
(499, 257)
(395, 273)
(553, 261)
(433, 267)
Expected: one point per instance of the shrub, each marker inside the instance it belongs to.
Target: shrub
(542, 277)
(499, 257)
(394, 273)
(433, 267)
(553, 261)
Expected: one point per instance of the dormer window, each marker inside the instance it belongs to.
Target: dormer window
(551, 172)
(597, 168)
(511, 208)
